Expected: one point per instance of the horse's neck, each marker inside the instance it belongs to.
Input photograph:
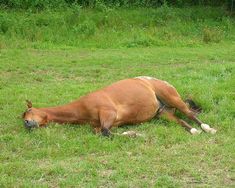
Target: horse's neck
(64, 114)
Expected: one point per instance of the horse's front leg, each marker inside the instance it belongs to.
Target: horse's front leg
(107, 118)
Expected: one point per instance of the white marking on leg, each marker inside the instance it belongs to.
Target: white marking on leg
(131, 134)
(194, 131)
(205, 127)
(208, 129)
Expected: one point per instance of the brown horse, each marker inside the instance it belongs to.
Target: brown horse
(129, 101)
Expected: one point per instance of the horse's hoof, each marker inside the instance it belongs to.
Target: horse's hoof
(194, 131)
(105, 132)
(208, 129)
(205, 127)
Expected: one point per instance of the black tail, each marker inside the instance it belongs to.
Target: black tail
(193, 106)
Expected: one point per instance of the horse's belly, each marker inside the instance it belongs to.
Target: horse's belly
(137, 113)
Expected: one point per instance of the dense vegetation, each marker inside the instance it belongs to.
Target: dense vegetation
(42, 4)
(54, 56)
(105, 27)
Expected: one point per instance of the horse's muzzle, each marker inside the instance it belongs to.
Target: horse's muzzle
(30, 124)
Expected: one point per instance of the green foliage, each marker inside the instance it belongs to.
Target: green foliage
(5, 23)
(33, 4)
(116, 28)
(211, 35)
(165, 181)
(87, 28)
(101, 4)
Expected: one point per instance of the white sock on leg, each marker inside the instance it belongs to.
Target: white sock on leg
(194, 131)
(208, 129)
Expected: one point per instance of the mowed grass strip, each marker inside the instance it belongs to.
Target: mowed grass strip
(71, 155)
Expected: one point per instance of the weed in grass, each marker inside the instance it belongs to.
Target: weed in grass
(165, 181)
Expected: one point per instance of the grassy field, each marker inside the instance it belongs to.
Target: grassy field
(51, 72)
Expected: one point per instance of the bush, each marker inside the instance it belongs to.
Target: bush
(32, 4)
(44, 4)
(5, 23)
(140, 40)
(163, 15)
(211, 35)
(115, 27)
(87, 28)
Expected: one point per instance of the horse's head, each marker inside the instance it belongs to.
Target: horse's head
(34, 117)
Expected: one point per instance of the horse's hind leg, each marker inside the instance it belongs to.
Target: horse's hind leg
(178, 103)
(171, 117)
(170, 96)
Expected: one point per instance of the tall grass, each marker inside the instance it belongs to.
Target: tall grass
(104, 27)
(45, 4)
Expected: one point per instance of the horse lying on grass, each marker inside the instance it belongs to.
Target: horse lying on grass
(129, 101)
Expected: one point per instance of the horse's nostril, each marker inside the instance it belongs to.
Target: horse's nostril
(30, 123)
(27, 123)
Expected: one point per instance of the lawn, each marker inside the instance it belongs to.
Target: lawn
(50, 74)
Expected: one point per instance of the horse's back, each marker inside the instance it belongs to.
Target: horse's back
(129, 91)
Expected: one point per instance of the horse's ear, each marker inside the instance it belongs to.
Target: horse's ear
(29, 104)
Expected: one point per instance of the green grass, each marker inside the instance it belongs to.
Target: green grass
(51, 73)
